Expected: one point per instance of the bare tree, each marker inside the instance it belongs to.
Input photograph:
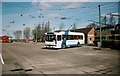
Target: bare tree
(26, 32)
(33, 33)
(18, 34)
(45, 28)
(48, 26)
(39, 31)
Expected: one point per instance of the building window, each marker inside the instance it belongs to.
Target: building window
(117, 37)
(95, 34)
(103, 38)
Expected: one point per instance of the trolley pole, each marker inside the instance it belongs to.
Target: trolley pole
(100, 26)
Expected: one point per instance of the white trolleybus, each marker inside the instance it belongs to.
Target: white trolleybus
(63, 39)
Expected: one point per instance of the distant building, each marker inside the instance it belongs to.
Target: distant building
(89, 34)
(110, 36)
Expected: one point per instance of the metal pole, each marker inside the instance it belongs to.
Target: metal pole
(119, 12)
(100, 26)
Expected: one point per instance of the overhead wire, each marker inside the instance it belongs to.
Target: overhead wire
(62, 9)
(88, 8)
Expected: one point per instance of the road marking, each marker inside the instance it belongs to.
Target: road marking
(1, 59)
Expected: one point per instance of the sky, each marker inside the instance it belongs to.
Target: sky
(75, 12)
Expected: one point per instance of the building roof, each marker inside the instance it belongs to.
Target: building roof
(83, 30)
(106, 27)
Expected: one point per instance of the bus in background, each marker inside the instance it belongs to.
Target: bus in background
(63, 39)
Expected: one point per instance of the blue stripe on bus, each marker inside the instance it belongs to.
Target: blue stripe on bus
(73, 45)
(63, 42)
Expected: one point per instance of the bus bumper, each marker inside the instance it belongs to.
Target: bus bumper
(50, 46)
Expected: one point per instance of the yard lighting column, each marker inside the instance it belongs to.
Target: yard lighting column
(100, 26)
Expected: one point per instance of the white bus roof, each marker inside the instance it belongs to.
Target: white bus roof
(65, 33)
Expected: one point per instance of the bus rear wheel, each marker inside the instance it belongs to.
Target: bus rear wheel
(64, 46)
(78, 44)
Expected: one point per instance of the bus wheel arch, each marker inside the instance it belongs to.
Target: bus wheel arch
(78, 44)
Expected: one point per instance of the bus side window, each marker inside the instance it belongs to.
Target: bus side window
(58, 37)
(80, 37)
(77, 37)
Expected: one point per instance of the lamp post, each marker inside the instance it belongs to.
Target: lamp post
(100, 26)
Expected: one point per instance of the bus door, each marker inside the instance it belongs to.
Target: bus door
(59, 38)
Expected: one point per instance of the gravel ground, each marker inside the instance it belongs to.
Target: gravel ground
(30, 58)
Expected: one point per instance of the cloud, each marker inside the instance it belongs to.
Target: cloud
(42, 5)
(62, 0)
(72, 4)
(76, 0)
(34, 2)
(49, 5)
(45, 5)
(54, 15)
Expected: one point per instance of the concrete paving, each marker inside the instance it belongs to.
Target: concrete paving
(30, 58)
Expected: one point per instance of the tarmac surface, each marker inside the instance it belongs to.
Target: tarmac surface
(30, 58)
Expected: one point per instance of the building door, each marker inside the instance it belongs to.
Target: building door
(90, 41)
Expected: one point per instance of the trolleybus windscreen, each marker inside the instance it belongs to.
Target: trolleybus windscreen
(50, 37)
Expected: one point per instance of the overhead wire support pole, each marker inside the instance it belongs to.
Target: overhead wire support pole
(100, 26)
